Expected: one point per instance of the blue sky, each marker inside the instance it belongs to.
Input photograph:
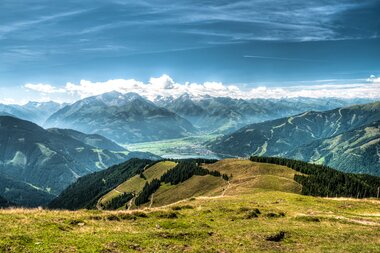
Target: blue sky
(247, 43)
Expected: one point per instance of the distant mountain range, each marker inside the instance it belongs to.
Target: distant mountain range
(346, 138)
(124, 118)
(130, 118)
(225, 114)
(50, 160)
(32, 111)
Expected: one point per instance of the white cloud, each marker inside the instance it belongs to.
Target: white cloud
(44, 88)
(87, 88)
(164, 82)
(165, 86)
(373, 79)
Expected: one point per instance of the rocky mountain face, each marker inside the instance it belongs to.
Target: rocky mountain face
(306, 132)
(125, 118)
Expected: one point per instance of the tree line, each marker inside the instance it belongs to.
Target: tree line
(149, 189)
(118, 201)
(320, 180)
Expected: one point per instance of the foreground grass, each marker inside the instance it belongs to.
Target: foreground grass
(203, 224)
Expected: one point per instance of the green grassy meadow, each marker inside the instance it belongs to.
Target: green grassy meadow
(202, 224)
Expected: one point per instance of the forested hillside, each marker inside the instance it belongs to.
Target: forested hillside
(22, 194)
(143, 183)
(87, 190)
(356, 151)
(4, 203)
(48, 160)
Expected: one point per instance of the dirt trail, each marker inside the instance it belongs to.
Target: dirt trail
(129, 204)
(116, 190)
(354, 220)
(228, 186)
(151, 200)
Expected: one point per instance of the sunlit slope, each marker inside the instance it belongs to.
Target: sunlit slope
(245, 177)
(194, 187)
(137, 182)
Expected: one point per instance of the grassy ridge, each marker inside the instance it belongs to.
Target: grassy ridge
(204, 224)
(245, 177)
(248, 175)
(240, 177)
(195, 186)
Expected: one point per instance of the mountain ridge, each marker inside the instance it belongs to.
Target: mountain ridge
(278, 137)
(125, 118)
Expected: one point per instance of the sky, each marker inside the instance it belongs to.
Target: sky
(66, 50)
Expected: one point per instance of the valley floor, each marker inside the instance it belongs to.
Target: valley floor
(181, 148)
(262, 221)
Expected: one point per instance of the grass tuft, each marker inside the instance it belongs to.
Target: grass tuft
(278, 237)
